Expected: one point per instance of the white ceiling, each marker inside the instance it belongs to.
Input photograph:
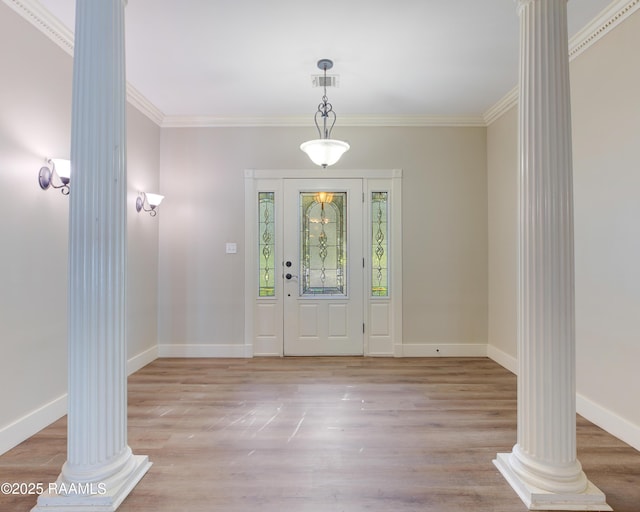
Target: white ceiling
(255, 58)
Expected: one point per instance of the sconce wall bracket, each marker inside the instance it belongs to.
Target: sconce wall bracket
(47, 176)
(148, 202)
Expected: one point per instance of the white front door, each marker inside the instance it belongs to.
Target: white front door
(323, 267)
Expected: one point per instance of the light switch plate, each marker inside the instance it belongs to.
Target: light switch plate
(232, 248)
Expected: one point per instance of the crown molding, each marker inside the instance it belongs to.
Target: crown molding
(139, 101)
(50, 26)
(229, 122)
(602, 24)
(500, 108)
(43, 20)
(417, 121)
(306, 121)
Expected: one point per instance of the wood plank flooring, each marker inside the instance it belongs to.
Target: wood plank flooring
(324, 435)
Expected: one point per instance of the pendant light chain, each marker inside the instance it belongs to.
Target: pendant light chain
(325, 108)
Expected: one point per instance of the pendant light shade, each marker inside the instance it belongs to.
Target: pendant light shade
(325, 151)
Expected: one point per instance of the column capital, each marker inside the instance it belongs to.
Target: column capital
(523, 3)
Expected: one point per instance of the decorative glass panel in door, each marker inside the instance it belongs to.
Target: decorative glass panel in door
(323, 247)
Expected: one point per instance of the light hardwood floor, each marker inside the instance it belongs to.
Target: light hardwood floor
(324, 435)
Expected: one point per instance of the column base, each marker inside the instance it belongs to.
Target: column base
(592, 499)
(92, 497)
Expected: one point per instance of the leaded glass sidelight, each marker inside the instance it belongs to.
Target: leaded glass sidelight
(379, 244)
(323, 247)
(266, 244)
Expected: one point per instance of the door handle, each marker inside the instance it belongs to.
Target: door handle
(288, 275)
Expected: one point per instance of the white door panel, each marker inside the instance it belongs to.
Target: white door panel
(323, 269)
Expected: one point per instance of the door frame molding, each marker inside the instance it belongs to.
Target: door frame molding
(382, 336)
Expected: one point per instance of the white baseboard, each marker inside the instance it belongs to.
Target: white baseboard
(23, 428)
(616, 425)
(608, 420)
(440, 350)
(33, 422)
(210, 350)
(142, 359)
(503, 359)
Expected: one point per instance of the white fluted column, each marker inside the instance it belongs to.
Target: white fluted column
(100, 470)
(543, 466)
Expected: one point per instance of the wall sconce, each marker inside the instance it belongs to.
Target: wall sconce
(57, 175)
(148, 202)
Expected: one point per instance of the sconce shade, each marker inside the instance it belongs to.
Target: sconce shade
(324, 152)
(154, 199)
(148, 202)
(63, 168)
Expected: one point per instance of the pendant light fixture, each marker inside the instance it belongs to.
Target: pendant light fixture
(325, 151)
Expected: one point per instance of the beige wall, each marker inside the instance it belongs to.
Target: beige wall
(606, 164)
(502, 175)
(35, 122)
(606, 143)
(444, 213)
(143, 175)
(35, 113)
